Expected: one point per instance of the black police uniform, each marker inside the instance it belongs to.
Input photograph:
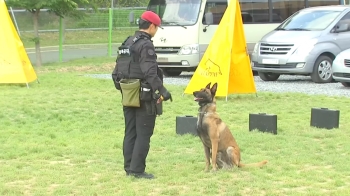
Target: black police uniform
(139, 121)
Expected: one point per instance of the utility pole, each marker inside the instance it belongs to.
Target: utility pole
(110, 28)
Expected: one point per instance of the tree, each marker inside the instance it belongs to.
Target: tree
(101, 3)
(131, 3)
(119, 3)
(59, 7)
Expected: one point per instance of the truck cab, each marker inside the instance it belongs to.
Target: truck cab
(188, 27)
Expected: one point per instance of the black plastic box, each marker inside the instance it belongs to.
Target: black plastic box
(263, 122)
(324, 118)
(186, 124)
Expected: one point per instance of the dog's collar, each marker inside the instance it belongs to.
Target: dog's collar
(204, 103)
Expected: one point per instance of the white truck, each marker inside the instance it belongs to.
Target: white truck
(189, 25)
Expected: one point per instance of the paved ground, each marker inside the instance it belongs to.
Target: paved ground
(300, 84)
(51, 54)
(284, 84)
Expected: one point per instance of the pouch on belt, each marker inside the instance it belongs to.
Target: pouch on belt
(130, 92)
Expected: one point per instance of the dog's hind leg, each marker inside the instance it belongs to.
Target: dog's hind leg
(207, 157)
(220, 160)
(234, 155)
(224, 160)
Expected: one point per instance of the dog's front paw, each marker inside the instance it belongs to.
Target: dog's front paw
(214, 169)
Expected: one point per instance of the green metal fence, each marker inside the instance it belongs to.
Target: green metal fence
(104, 28)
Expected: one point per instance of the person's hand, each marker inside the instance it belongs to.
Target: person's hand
(160, 100)
(165, 94)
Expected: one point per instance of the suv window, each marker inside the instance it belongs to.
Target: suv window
(310, 20)
(345, 21)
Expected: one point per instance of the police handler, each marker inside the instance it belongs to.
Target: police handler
(137, 60)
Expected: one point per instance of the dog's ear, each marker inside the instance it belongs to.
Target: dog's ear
(213, 89)
(208, 85)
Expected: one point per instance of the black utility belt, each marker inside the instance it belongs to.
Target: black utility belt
(146, 92)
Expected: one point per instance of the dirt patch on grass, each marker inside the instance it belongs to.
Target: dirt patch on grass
(25, 186)
(309, 167)
(65, 162)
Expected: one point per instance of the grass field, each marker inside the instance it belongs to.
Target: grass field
(64, 137)
(77, 37)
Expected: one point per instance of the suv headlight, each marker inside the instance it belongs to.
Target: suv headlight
(256, 47)
(189, 49)
(339, 59)
(305, 49)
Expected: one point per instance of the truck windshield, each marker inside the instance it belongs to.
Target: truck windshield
(309, 20)
(176, 12)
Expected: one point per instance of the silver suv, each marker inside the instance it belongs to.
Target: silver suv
(306, 43)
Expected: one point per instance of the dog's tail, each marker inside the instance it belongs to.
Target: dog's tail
(259, 164)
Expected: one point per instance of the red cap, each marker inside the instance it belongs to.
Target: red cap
(151, 17)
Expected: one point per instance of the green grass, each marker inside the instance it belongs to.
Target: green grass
(77, 37)
(64, 137)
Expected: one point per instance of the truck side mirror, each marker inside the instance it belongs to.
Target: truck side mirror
(209, 18)
(131, 17)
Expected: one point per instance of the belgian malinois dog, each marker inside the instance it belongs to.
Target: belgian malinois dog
(218, 142)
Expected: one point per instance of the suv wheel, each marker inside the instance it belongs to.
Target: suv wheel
(268, 76)
(169, 72)
(322, 72)
(346, 84)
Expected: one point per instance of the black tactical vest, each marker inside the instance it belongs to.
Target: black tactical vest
(126, 66)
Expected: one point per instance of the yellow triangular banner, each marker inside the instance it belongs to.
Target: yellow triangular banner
(15, 66)
(226, 60)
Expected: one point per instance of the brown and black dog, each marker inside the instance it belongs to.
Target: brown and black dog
(217, 139)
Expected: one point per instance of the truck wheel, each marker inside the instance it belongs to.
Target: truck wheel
(170, 72)
(346, 84)
(322, 72)
(268, 76)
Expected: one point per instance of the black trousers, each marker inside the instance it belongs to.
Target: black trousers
(139, 126)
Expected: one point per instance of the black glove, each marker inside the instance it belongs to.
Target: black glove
(165, 94)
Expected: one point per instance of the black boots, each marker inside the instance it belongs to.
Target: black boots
(140, 175)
